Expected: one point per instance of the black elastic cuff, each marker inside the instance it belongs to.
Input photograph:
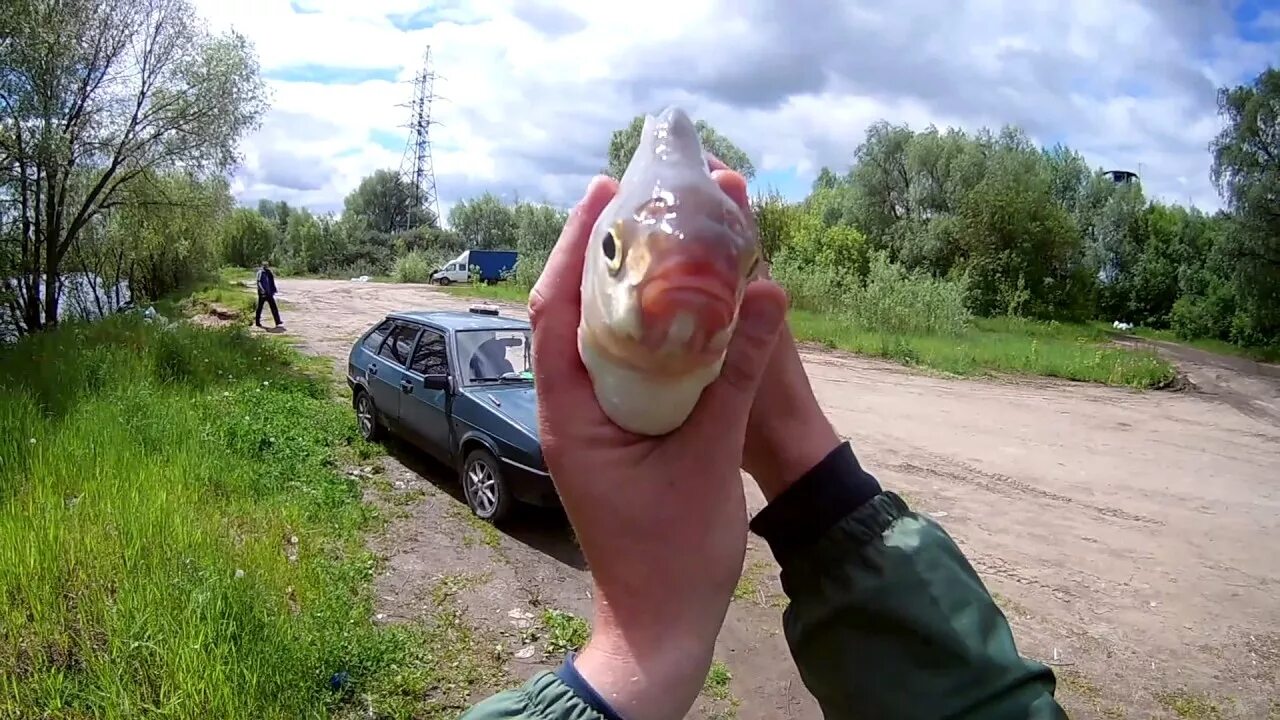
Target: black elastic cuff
(822, 497)
(570, 676)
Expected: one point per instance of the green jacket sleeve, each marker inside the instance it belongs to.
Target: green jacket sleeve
(546, 696)
(887, 619)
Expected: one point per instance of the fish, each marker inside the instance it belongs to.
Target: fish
(667, 264)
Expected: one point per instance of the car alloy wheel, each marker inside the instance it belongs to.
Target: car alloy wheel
(366, 416)
(484, 487)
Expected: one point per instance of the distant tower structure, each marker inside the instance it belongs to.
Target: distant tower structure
(416, 168)
(1121, 177)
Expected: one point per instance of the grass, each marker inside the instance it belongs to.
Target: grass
(177, 537)
(716, 686)
(1270, 355)
(504, 292)
(750, 587)
(478, 531)
(565, 631)
(997, 346)
(990, 346)
(1190, 705)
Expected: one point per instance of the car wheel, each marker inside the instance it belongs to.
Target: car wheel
(445, 281)
(367, 417)
(485, 489)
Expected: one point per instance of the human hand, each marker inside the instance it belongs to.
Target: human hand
(787, 433)
(662, 521)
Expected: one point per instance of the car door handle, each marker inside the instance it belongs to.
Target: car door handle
(406, 386)
(373, 369)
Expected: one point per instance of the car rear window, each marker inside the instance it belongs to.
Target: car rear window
(399, 344)
(373, 340)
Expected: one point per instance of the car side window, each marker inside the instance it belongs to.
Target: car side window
(373, 340)
(430, 358)
(399, 344)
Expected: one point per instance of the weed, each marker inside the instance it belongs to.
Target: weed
(477, 530)
(565, 631)
(153, 478)
(750, 587)
(716, 686)
(1190, 705)
(1079, 685)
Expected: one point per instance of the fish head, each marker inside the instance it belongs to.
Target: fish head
(669, 258)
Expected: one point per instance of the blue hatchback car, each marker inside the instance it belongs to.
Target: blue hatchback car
(460, 386)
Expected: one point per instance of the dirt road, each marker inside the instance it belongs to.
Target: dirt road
(1130, 537)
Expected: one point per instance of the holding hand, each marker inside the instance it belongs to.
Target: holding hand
(662, 521)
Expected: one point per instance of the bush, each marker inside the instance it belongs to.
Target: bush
(889, 300)
(415, 267)
(529, 268)
(897, 301)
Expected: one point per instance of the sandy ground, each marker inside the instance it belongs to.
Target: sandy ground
(1131, 538)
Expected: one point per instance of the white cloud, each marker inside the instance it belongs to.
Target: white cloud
(533, 88)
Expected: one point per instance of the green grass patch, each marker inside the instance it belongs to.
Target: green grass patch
(1270, 355)
(178, 537)
(1190, 705)
(565, 631)
(716, 686)
(1019, 347)
(505, 292)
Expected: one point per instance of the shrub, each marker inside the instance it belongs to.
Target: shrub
(894, 300)
(414, 267)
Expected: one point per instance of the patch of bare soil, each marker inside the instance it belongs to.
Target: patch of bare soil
(1128, 536)
(215, 315)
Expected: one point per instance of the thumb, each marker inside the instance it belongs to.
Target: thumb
(726, 403)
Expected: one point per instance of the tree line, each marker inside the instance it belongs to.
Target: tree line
(120, 121)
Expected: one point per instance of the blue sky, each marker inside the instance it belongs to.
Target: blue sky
(532, 89)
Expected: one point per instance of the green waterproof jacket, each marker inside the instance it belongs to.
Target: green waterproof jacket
(887, 619)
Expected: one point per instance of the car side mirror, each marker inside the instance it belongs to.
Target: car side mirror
(438, 381)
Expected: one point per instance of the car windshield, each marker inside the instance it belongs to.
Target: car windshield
(494, 356)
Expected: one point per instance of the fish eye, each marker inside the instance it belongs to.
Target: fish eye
(612, 251)
(609, 246)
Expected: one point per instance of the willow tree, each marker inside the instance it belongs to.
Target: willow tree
(93, 95)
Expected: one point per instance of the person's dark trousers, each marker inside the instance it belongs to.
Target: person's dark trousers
(266, 299)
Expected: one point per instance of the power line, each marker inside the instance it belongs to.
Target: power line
(417, 171)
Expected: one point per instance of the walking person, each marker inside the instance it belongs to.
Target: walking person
(267, 294)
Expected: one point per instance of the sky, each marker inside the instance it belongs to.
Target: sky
(530, 90)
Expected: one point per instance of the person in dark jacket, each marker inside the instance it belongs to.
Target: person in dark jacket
(886, 618)
(266, 294)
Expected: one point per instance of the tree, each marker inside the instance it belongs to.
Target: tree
(1246, 169)
(485, 223)
(384, 201)
(94, 94)
(247, 239)
(623, 144)
(537, 228)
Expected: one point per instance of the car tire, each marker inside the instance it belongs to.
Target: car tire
(444, 282)
(484, 487)
(367, 417)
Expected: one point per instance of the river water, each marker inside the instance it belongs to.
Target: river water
(81, 296)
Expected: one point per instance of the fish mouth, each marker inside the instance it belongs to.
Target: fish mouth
(687, 309)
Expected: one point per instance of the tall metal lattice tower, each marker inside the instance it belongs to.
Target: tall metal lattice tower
(417, 172)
